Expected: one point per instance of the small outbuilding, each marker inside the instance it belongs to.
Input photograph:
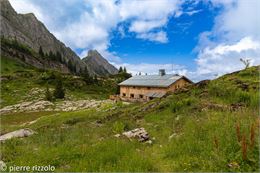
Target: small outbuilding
(148, 87)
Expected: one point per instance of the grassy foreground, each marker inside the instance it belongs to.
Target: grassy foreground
(213, 126)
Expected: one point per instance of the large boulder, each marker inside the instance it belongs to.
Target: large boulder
(17, 134)
(138, 133)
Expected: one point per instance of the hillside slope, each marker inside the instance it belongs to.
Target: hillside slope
(21, 82)
(210, 126)
(28, 30)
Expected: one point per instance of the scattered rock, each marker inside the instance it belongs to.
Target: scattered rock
(236, 106)
(117, 135)
(233, 165)
(49, 106)
(214, 106)
(26, 106)
(17, 134)
(138, 133)
(173, 135)
(149, 142)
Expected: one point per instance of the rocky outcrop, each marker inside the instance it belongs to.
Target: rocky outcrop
(98, 64)
(34, 106)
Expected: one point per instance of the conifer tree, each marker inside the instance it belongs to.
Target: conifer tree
(48, 95)
(120, 70)
(41, 53)
(59, 92)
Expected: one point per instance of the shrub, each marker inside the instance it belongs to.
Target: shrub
(48, 95)
(243, 97)
(118, 127)
(176, 106)
(59, 92)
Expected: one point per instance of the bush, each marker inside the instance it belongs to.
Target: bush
(118, 127)
(59, 92)
(176, 106)
(48, 95)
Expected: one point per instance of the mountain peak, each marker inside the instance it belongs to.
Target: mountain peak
(99, 63)
(93, 53)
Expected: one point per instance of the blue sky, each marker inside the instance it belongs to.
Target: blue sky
(198, 38)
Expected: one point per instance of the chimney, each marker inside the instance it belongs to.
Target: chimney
(162, 72)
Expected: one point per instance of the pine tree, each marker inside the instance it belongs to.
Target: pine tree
(95, 79)
(124, 70)
(70, 66)
(85, 73)
(58, 56)
(51, 56)
(120, 70)
(86, 77)
(48, 95)
(41, 53)
(59, 92)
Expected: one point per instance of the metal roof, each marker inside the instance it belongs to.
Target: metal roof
(151, 80)
(155, 94)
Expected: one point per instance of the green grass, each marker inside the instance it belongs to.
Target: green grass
(19, 81)
(189, 134)
(15, 121)
(9, 66)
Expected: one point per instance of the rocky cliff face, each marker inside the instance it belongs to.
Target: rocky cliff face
(28, 30)
(98, 64)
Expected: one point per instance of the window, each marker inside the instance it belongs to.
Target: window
(124, 94)
(132, 95)
(134, 87)
(141, 96)
(148, 88)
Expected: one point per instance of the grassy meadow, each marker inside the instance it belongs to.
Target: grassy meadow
(22, 83)
(212, 126)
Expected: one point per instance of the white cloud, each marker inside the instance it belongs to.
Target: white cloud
(234, 35)
(145, 26)
(87, 24)
(226, 58)
(26, 7)
(154, 36)
(239, 20)
(149, 9)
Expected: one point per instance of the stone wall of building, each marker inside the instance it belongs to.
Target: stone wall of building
(136, 93)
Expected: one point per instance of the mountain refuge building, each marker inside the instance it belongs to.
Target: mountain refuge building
(148, 87)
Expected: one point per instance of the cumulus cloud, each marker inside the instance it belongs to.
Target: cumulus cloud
(234, 35)
(155, 36)
(87, 24)
(225, 58)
